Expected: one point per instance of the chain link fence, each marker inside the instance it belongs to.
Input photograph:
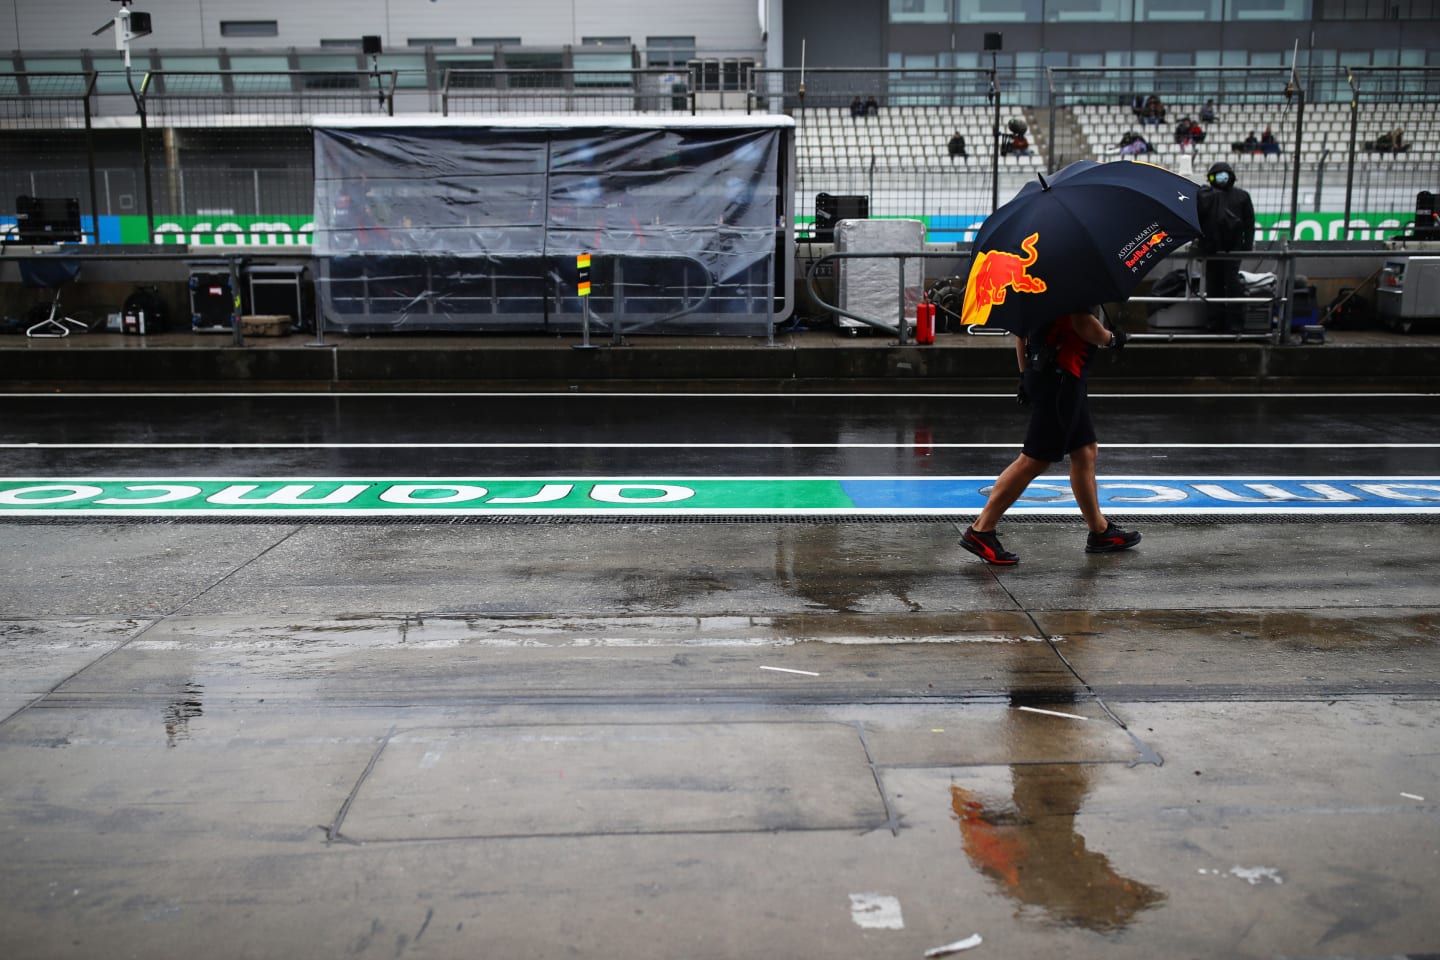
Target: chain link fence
(47, 142)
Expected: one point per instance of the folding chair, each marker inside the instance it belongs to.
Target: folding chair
(51, 273)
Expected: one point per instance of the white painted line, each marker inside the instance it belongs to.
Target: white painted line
(1412, 796)
(803, 673)
(1253, 875)
(971, 941)
(876, 911)
(691, 445)
(685, 478)
(721, 395)
(1054, 713)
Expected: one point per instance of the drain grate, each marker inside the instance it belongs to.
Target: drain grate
(659, 519)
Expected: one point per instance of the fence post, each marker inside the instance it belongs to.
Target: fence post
(901, 325)
(239, 334)
(90, 151)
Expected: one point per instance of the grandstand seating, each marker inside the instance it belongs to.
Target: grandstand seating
(1327, 126)
(899, 138)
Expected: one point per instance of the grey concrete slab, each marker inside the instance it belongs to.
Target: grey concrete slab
(125, 782)
(700, 569)
(452, 782)
(38, 654)
(499, 660)
(124, 570)
(1264, 653)
(1302, 853)
(1228, 565)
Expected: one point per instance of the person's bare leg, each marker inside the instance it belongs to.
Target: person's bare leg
(1082, 484)
(1007, 489)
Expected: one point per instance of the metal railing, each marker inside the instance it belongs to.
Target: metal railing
(182, 154)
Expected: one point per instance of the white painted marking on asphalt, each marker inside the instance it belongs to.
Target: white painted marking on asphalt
(876, 911)
(431, 758)
(803, 673)
(1412, 796)
(1054, 713)
(1253, 875)
(690, 445)
(971, 941)
(582, 394)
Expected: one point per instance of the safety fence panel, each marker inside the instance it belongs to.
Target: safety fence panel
(481, 226)
(46, 145)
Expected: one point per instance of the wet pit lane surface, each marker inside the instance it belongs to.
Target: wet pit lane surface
(711, 435)
(722, 739)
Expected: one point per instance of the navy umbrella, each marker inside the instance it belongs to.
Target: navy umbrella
(1086, 235)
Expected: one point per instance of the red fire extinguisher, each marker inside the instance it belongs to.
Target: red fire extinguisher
(925, 323)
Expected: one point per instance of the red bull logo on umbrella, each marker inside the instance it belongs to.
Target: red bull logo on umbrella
(994, 274)
(1150, 240)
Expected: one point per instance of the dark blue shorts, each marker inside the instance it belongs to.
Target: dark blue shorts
(1059, 416)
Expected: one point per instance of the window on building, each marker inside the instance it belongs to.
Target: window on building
(330, 71)
(341, 43)
(409, 69)
(259, 74)
(1267, 10)
(616, 65)
(1089, 11)
(249, 28)
(431, 42)
(495, 41)
(605, 41)
(540, 61)
(110, 72)
(919, 11)
(669, 51)
(999, 11)
(1174, 10)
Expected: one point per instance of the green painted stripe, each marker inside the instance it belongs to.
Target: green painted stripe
(361, 497)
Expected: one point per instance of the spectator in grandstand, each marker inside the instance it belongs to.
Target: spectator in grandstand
(1251, 144)
(1227, 222)
(1392, 142)
(1207, 112)
(1154, 111)
(872, 107)
(957, 145)
(1268, 143)
(1132, 144)
(1188, 132)
(857, 108)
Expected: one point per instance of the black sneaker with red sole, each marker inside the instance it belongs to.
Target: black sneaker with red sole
(1111, 540)
(987, 547)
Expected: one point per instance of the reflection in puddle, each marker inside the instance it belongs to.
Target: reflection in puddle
(179, 712)
(1031, 849)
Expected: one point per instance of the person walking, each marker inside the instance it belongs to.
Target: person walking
(1054, 367)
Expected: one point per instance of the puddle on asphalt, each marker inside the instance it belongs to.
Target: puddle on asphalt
(1029, 847)
(1283, 630)
(848, 569)
(179, 712)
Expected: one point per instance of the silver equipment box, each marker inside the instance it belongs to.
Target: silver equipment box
(871, 287)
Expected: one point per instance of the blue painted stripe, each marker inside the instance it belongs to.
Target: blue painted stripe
(1161, 494)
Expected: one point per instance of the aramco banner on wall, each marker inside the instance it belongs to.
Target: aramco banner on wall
(676, 497)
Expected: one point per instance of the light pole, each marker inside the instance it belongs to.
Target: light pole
(993, 43)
